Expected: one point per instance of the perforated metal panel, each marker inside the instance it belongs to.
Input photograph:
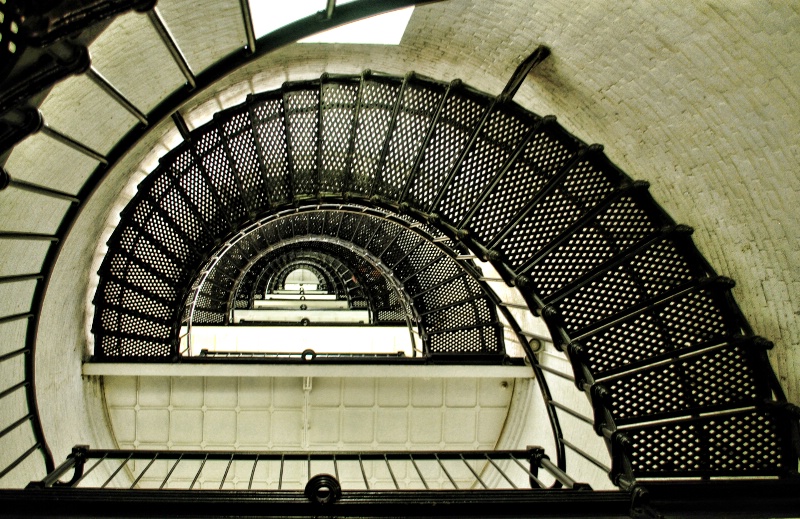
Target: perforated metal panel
(626, 294)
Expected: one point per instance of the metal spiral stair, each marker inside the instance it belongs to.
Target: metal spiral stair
(679, 385)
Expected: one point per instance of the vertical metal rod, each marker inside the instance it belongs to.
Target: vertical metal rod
(237, 179)
(116, 471)
(424, 267)
(546, 190)
(15, 353)
(280, 476)
(454, 169)
(413, 462)
(225, 475)
(363, 474)
(582, 222)
(42, 190)
(445, 471)
(16, 424)
(171, 470)
(75, 145)
(319, 136)
(98, 79)
(376, 176)
(135, 481)
(527, 471)
(473, 472)
(180, 124)
(203, 464)
(86, 473)
(347, 176)
(585, 455)
(500, 175)
(391, 473)
(13, 388)
(288, 136)
(335, 467)
(501, 471)
(19, 460)
(429, 135)
(172, 46)
(14, 235)
(571, 412)
(252, 472)
(557, 373)
(259, 152)
(247, 18)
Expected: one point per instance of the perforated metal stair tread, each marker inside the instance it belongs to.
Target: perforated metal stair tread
(454, 173)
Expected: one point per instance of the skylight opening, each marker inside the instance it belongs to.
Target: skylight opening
(383, 29)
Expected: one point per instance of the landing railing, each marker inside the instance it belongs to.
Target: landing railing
(303, 471)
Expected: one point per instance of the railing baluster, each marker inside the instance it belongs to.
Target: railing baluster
(202, 464)
(252, 473)
(247, 18)
(527, 471)
(280, 476)
(72, 143)
(86, 473)
(172, 46)
(112, 476)
(145, 470)
(425, 483)
(170, 471)
(363, 474)
(391, 473)
(585, 455)
(12, 354)
(16, 424)
(556, 372)
(13, 388)
(573, 413)
(445, 471)
(473, 471)
(19, 460)
(501, 471)
(226, 472)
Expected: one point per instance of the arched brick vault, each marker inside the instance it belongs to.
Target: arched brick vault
(701, 100)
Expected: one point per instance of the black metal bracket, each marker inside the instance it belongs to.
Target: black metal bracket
(524, 68)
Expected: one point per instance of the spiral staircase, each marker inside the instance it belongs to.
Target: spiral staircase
(680, 386)
(418, 182)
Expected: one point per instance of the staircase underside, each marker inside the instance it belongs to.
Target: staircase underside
(679, 385)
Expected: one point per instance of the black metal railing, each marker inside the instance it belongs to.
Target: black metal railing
(88, 468)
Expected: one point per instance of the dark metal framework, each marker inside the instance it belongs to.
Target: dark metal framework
(404, 273)
(61, 37)
(654, 337)
(679, 385)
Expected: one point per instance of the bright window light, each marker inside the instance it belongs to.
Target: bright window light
(384, 29)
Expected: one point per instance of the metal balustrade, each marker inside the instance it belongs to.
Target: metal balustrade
(270, 470)
(680, 387)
